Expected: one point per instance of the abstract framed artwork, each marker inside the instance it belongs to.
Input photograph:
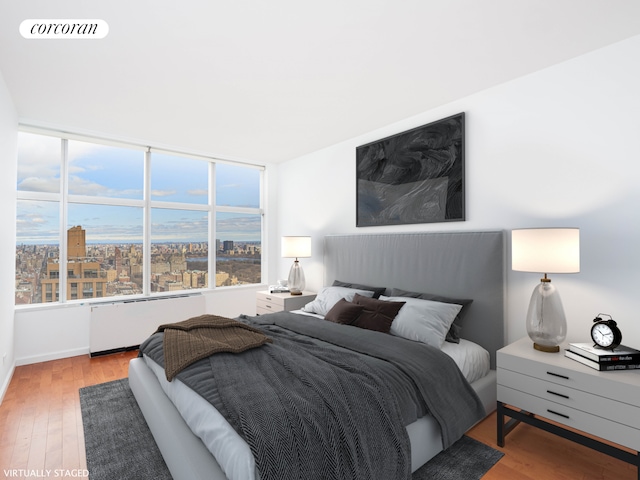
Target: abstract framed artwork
(415, 176)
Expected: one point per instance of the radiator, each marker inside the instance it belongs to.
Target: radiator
(125, 325)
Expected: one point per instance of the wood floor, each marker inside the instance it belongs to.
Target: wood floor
(41, 429)
(40, 420)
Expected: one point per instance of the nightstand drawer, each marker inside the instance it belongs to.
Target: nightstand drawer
(262, 297)
(268, 307)
(547, 372)
(616, 432)
(281, 302)
(558, 369)
(615, 409)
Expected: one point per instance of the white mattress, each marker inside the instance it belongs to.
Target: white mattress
(233, 453)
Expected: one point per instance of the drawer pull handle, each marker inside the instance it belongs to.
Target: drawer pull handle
(559, 414)
(558, 375)
(268, 306)
(269, 298)
(558, 394)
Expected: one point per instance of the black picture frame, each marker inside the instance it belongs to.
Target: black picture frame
(417, 176)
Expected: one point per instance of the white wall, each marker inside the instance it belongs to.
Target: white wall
(51, 332)
(8, 140)
(555, 148)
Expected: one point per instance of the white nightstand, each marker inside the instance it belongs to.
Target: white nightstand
(533, 384)
(280, 302)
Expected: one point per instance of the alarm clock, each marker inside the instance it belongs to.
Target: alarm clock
(605, 333)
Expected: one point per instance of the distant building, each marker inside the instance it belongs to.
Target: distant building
(76, 243)
(84, 279)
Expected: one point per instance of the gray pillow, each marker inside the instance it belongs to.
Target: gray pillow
(377, 291)
(327, 297)
(455, 331)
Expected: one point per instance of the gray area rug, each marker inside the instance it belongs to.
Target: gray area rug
(120, 446)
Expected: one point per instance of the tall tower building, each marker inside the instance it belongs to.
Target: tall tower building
(118, 260)
(76, 245)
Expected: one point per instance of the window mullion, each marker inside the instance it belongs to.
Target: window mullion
(212, 227)
(91, 200)
(179, 206)
(146, 228)
(64, 189)
(249, 210)
(264, 244)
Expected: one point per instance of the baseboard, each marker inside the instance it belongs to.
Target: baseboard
(5, 385)
(52, 356)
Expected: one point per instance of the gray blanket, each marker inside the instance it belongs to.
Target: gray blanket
(333, 413)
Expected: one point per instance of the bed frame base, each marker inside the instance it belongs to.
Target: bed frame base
(183, 452)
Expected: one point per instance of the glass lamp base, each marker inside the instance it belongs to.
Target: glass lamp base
(546, 323)
(296, 279)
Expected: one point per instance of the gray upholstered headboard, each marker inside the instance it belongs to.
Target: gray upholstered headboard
(454, 264)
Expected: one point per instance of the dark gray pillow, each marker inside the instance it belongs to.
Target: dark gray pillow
(377, 314)
(344, 312)
(377, 291)
(455, 331)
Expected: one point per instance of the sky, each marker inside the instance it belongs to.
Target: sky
(109, 172)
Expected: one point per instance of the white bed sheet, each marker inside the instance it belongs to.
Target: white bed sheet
(229, 449)
(472, 359)
(232, 452)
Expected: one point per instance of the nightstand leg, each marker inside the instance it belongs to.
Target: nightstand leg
(518, 416)
(505, 428)
(500, 424)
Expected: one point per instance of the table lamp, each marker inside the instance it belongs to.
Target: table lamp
(546, 250)
(296, 247)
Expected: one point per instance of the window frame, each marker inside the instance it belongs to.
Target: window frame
(63, 198)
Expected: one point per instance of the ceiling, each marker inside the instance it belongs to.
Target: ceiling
(267, 81)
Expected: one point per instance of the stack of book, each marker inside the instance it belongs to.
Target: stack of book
(278, 289)
(621, 358)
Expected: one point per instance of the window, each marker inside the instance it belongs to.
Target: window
(179, 223)
(131, 220)
(179, 245)
(238, 225)
(105, 171)
(238, 256)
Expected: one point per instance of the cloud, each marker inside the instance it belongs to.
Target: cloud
(39, 184)
(80, 186)
(162, 193)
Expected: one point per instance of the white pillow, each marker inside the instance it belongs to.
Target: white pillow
(327, 297)
(424, 321)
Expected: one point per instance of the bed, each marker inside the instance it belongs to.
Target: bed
(455, 265)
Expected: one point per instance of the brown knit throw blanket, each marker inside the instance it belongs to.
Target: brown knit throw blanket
(199, 337)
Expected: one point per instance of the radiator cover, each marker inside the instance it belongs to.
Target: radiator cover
(125, 325)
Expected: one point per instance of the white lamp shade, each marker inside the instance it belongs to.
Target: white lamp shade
(545, 250)
(296, 247)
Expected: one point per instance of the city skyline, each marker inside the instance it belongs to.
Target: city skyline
(97, 270)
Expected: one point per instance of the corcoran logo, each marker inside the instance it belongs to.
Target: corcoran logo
(69, 29)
